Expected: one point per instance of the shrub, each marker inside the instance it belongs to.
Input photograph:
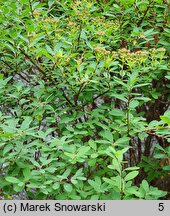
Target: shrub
(84, 99)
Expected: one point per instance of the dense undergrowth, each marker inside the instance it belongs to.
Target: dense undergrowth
(84, 105)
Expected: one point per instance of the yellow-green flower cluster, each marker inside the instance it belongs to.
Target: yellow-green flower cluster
(133, 58)
(138, 58)
(157, 54)
(100, 33)
(81, 9)
(101, 50)
(82, 14)
(51, 20)
(98, 21)
(36, 13)
(72, 25)
(106, 55)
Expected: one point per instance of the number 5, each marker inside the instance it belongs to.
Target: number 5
(161, 207)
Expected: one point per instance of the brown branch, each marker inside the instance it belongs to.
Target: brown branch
(164, 102)
(92, 172)
(146, 11)
(76, 96)
(79, 36)
(34, 63)
(150, 132)
(96, 98)
(16, 72)
(67, 99)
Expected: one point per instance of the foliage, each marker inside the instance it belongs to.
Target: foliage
(84, 99)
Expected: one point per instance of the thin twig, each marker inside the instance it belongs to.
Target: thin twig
(29, 58)
(67, 99)
(146, 11)
(31, 9)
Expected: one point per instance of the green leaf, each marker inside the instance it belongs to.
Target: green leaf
(167, 168)
(68, 187)
(25, 124)
(27, 173)
(120, 96)
(7, 148)
(145, 186)
(109, 181)
(133, 104)
(94, 197)
(165, 119)
(12, 179)
(92, 144)
(108, 135)
(94, 155)
(140, 85)
(66, 119)
(123, 140)
(115, 182)
(131, 175)
(131, 190)
(115, 165)
(56, 186)
(131, 168)
(83, 150)
(145, 99)
(95, 185)
(157, 193)
(159, 147)
(117, 112)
